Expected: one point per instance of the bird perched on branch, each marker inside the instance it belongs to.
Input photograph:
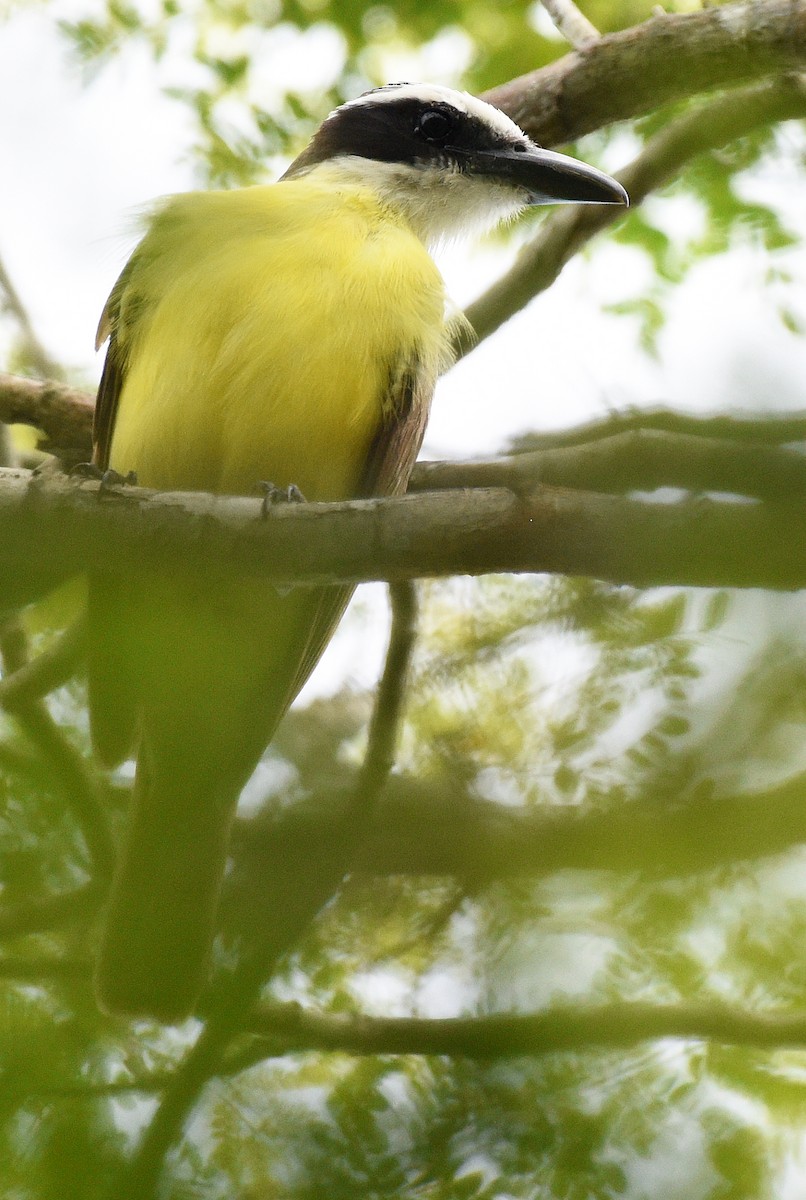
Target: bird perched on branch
(291, 333)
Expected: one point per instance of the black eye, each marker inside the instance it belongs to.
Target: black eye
(435, 126)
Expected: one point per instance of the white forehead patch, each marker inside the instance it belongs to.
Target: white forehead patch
(434, 93)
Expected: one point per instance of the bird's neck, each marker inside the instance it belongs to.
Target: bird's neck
(434, 207)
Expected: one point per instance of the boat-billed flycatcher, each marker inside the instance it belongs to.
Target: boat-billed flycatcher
(291, 333)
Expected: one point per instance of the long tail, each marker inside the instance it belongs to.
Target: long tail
(156, 941)
(212, 678)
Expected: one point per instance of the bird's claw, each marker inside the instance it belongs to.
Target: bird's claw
(273, 495)
(109, 479)
(85, 470)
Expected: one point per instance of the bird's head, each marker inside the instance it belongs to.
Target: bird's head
(448, 161)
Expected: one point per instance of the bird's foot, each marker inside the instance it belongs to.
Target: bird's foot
(273, 495)
(109, 479)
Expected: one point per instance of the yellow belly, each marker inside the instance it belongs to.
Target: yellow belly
(260, 329)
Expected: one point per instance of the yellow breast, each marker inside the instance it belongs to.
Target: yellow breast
(260, 329)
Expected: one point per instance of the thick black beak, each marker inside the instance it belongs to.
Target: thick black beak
(547, 177)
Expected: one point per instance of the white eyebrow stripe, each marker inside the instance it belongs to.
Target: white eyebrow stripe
(434, 93)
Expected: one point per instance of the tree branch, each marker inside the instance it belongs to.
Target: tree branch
(672, 56)
(281, 1029)
(510, 1035)
(571, 23)
(688, 455)
(48, 913)
(769, 429)
(45, 970)
(145, 1084)
(482, 842)
(473, 840)
(698, 543)
(36, 352)
(64, 414)
(67, 767)
(383, 729)
(706, 127)
(640, 460)
(50, 669)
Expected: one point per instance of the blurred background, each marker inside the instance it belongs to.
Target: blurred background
(531, 693)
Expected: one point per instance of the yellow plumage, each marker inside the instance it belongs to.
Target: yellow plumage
(261, 329)
(289, 333)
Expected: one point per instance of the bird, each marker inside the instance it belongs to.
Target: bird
(290, 332)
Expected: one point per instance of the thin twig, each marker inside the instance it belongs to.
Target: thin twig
(379, 757)
(38, 970)
(69, 770)
(49, 913)
(75, 413)
(146, 1085)
(47, 671)
(770, 429)
(38, 356)
(571, 23)
(643, 459)
(179, 1095)
(705, 127)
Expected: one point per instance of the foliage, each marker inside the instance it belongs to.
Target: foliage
(650, 709)
(537, 697)
(232, 39)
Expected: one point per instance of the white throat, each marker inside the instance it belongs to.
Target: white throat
(438, 203)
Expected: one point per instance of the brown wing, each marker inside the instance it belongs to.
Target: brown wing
(112, 701)
(113, 374)
(397, 443)
(106, 405)
(391, 456)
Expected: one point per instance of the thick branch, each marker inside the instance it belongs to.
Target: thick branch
(514, 1034)
(670, 57)
(624, 540)
(63, 414)
(480, 841)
